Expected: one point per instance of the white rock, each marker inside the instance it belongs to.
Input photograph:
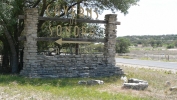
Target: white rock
(167, 84)
(91, 82)
(82, 82)
(124, 78)
(136, 84)
(173, 88)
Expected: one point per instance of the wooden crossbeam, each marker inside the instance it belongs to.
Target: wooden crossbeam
(68, 20)
(23, 38)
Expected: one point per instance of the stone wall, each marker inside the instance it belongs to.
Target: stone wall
(73, 66)
(68, 65)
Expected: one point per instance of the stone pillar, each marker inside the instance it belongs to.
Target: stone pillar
(110, 37)
(30, 45)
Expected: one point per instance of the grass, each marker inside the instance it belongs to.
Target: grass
(149, 53)
(157, 81)
(18, 87)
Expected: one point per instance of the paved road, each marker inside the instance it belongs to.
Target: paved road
(168, 65)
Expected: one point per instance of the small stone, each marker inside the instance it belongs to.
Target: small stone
(134, 80)
(124, 78)
(167, 84)
(91, 82)
(82, 82)
(136, 84)
(173, 88)
(95, 82)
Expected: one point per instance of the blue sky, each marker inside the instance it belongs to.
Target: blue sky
(151, 17)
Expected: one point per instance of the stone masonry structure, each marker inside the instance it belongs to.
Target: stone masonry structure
(110, 36)
(37, 66)
(30, 45)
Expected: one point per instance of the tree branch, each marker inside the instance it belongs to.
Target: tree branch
(45, 7)
(70, 8)
(36, 3)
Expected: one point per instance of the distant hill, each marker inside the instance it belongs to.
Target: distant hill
(158, 40)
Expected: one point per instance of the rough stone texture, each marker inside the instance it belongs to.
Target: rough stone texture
(173, 88)
(72, 66)
(135, 84)
(110, 36)
(37, 66)
(134, 80)
(91, 82)
(30, 61)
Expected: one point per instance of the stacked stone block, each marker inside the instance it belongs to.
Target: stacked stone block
(110, 37)
(30, 45)
(74, 66)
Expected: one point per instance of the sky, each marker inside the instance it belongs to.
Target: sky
(151, 17)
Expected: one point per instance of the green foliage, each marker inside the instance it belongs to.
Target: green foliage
(114, 5)
(169, 46)
(98, 47)
(122, 45)
(155, 43)
(175, 43)
(159, 43)
(153, 40)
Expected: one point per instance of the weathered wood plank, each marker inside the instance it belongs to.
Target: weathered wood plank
(47, 38)
(68, 20)
(23, 38)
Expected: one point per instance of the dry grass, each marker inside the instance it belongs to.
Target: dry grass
(156, 78)
(149, 53)
(21, 88)
(14, 87)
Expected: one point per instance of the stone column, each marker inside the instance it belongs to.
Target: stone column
(30, 45)
(110, 37)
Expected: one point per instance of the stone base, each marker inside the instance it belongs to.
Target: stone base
(70, 66)
(65, 72)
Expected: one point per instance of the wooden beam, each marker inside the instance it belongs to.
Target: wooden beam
(23, 38)
(47, 38)
(117, 23)
(68, 20)
(77, 20)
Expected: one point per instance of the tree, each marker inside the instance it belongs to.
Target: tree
(175, 43)
(159, 43)
(169, 46)
(11, 28)
(9, 11)
(152, 43)
(122, 45)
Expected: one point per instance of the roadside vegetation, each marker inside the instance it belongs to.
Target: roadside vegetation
(167, 41)
(18, 87)
(159, 48)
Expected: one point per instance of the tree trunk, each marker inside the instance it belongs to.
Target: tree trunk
(5, 59)
(14, 59)
(5, 55)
